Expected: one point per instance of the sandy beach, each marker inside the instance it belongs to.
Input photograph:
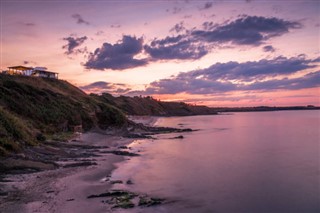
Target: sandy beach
(65, 176)
(65, 189)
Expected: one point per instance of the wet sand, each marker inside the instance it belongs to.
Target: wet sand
(65, 189)
(72, 171)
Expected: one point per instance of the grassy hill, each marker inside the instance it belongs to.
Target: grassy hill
(31, 108)
(34, 109)
(149, 106)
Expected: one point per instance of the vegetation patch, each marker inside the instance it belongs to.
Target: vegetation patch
(13, 132)
(126, 199)
(33, 110)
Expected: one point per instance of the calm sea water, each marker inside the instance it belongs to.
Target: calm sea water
(242, 162)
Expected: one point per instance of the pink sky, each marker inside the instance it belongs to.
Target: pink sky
(217, 53)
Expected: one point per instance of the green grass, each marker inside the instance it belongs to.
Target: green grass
(31, 106)
(61, 136)
(13, 132)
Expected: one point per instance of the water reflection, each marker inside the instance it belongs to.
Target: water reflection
(246, 162)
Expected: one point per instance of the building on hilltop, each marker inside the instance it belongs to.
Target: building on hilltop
(30, 71)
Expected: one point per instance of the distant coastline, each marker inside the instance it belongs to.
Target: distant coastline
(264, 108)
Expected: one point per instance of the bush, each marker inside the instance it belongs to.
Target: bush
(13, 132)
(40, 137)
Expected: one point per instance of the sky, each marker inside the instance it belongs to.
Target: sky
(217, 53)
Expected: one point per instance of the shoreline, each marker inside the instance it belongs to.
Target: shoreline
(82, 170)
(66, 189)
(144, 119)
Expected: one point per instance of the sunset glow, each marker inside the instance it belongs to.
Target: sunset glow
(215, 53)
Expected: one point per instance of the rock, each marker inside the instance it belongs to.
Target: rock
(135, 135)
(107, 194)
(114, 193)
(186, 130)
(4, 193)
(86, 163)
(122, 147)
(123, 153)
(116, 182)
(124, 199)
(143, 201)
(124, 204)
(147, 201)
(129, 182)
(119, 198)
(108, 201)
(178, 137)
(70, 199)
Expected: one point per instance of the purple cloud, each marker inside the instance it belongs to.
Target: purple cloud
(176, 47)
(249, 71)
(310, 80)
(79, 19)
(207, 5)
(175, 10)
(115, 25)
(178, 27)
(106, 87)
(192, 44)
(268, 48)
(73, 44)
(27, 24)
(247, 30)
(234, 76)
(117, 56)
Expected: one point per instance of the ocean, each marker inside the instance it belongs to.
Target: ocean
(259, 162)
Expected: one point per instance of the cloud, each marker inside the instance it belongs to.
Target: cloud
(117, 56)
(209, 25)
(99, 33)
(175, 10)
(175, 47)
(247, 30)
(73, 44)
(249, 71)
(187, 16)
(27, 24)
(115, 25)
(233, 76)
(207, 5)
(194, 44)
(190, 86)
(191, 44)
(310, 80)
(79, 19)
(178, 27)
(268, 48)
(224, 97)
(106, 87)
